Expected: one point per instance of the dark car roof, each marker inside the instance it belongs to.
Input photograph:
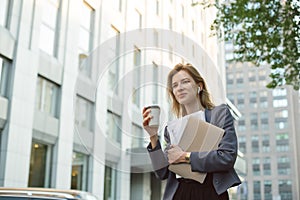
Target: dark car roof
(45, 193)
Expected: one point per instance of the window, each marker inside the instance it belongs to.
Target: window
(193, 25)
(283, 165)
(279, 92)
(251, 76)
(281, 123)
(155, 83)
(239, 79)
(48, 29)
(267, 166)
(47, 97)
(253, 121)
(137, 76)
(4, 76)
(262, 74)
(254, 144)
(157, 7)
(241, 124)
(256, 166)
(230, 96)
(240, 100)
(282, 142)
(110, 183)
(242, 143)
(266, 143)
(84, 113)
(85, 35)
(263, 99)
(256, 190)
(264, 120)
(139, 19)
(280, 103)
(113, 73)
(114, 127)
(138, 140)
(170, 23)
(285, 189)
(40, 163)
(268, 190)
(253, 99)
(4, 10)
(281, 114)
(79, 174)
(120, 5)
(230, 80)
(229, 56)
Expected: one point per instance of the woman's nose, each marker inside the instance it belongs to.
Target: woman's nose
(180, 86)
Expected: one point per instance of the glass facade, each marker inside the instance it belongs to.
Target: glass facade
(114, 127)
(268, 190)
(79, 174)
(267, 166)
(4, 10)
(84, 116)
(40, 162)
(4, 76)
(47, 96)
(137, 77)
(110, 183)
(48, 29)
(285, 189)
(85, 36)
(113, 73)
(256, 190)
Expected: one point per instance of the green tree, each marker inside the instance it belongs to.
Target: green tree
(263, 31)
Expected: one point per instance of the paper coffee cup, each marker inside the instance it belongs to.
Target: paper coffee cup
(155, 113)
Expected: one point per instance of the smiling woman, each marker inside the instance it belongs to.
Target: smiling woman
(189, 96)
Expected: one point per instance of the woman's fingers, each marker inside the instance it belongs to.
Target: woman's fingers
(147, 120)
(146, 116)
(146, 112)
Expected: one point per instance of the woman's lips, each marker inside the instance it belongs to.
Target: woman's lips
(181, 95)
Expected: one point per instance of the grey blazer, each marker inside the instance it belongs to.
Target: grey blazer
(219, 162)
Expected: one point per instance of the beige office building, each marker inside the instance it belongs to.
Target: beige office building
(74, 77)
(268, 132)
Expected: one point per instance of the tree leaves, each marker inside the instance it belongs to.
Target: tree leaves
(263, 31)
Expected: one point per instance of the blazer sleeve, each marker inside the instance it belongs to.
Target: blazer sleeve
(159, 158)
(224, 157)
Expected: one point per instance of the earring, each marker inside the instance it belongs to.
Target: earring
(199, 90)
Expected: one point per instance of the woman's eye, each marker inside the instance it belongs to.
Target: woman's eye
(186, 81)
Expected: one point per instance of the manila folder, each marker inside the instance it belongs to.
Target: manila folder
(198, 136)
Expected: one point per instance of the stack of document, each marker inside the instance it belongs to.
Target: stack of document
(192, 134)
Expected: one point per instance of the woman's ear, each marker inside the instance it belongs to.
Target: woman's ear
(200, 85)
(199, 90)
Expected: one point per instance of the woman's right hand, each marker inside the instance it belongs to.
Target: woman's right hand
(152, 131)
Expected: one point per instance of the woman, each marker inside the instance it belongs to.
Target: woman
(188, 93)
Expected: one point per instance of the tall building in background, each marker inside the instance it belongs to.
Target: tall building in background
(268, 131)
(74, 77)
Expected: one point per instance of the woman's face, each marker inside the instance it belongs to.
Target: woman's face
(184, 88)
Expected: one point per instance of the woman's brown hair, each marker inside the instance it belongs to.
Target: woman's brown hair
(204, 95)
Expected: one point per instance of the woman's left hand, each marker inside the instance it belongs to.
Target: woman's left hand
(176, 155)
